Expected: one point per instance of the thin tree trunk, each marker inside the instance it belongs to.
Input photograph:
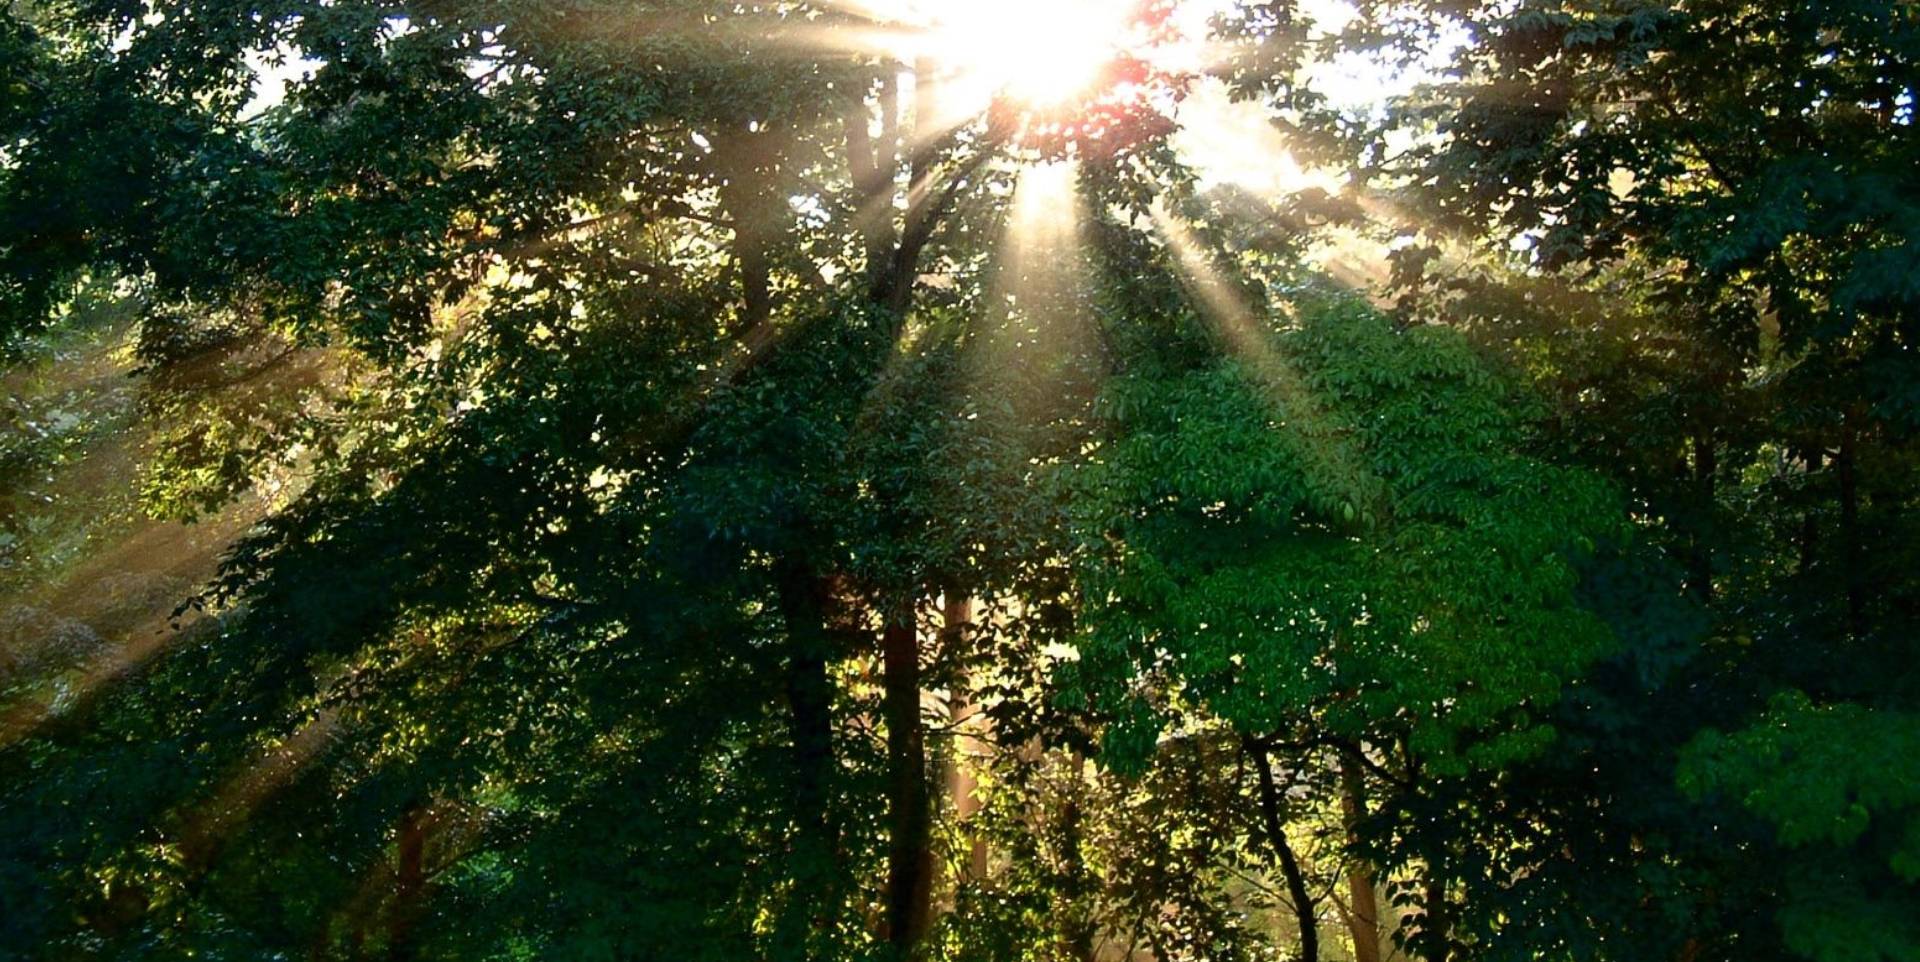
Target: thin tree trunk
(1436, 945)
(748, 205)
(1847, 464)
(756, 280)
(1076, 925)
(1296, 879)
(1363, 915)
(803, 604)
(409, 883)
(873, 169)
(956, 616)
(1705, 472)
(746, 163)
(909, 855)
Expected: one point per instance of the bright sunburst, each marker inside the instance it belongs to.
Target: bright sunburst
(1041, 53)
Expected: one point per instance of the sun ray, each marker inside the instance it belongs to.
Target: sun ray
(1046, 212)
(1224, 307)
(1236, 142)
(1036, 326)
(203, 830)
(1252, 341)
(183, 555)
(1039, 285)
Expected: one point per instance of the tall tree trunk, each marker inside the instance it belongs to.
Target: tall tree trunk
(803, 604)
(1847, 464)
(1706, 468)
(747, 161)
(1363, 914)
(1813, 460)
(1435, 943)
(909, 856)
(749, 206)
(967, 734)
(1296, 879)
(756, 281)
(873, 169)
(409, 883)
(1076, 925)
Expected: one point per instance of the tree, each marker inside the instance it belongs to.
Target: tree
(616, 440)
(1687, 222)
(1331, 571)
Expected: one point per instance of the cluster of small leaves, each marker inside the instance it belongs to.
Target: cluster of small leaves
(1351, 544)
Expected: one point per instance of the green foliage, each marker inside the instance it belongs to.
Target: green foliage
(1684, 223)
(1818, 775)
(1376, 564)
(1835, 783)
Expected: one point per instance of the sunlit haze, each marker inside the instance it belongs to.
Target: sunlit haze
(1039, 52)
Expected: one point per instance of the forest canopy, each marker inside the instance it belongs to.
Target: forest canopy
(1062, 480)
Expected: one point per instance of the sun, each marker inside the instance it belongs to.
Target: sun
(1039, 53)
